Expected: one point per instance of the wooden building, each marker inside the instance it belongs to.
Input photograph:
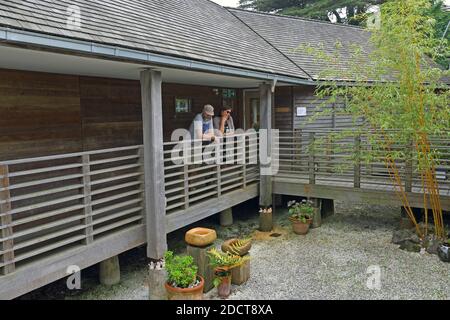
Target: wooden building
(90, 93)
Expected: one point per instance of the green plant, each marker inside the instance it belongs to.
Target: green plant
(181, 270)
(301, 211)
(223, 263)
(397, 97)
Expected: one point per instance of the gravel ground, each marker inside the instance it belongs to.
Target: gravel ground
(330, 262)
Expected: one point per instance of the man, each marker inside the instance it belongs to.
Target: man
(202, 127)
(224, 124)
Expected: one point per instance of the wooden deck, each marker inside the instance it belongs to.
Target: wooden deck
(82, 208)
(328, 171)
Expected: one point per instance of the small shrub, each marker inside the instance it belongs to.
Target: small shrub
(181, 270)
(301, 211)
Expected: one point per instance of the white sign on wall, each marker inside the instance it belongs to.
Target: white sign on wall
(301, 112)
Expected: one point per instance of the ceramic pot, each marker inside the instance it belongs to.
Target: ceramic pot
(195, 293)
(299, 227)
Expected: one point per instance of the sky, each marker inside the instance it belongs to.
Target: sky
(227, 3)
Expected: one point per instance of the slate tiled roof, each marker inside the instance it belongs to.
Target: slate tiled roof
(287, 33)
(194, 29)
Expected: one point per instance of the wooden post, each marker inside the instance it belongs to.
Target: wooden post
(357, 171)
(311, 164)
(186, 185)
(317, 219)
(201, 259)
(110, 271)
(152, 119)
(5, 220)
(87, 200)
(226, 217)
(265, 186)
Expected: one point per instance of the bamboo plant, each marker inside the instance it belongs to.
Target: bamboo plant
(396, 97)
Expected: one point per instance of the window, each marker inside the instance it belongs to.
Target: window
(183, 105)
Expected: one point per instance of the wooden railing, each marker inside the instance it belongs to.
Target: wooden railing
(316, 158)
(51, 204)
(191, 179)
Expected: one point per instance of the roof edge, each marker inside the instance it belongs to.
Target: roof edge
(297, 18)
(18, 36)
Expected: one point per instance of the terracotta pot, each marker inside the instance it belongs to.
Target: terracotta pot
(299, 227)
(265, 222)
(224, 288)
(186, 293)
(226, 247)
(444, 252)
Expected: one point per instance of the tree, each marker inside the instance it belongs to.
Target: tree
(406, 103)
(344, 11)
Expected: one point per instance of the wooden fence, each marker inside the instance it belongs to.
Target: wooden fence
(55, 203)
(195, 173)
(316, 158)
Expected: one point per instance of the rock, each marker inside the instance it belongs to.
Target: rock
(410, 246)
(403, 235)
(226, 247)
(200, 237)
(433, 246)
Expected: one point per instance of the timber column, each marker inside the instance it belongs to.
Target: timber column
(265, 104)
(152, 120)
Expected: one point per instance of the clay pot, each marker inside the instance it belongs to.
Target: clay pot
(226, 247)
(265, 222)
(195, 293)
(200, 237)
(444, 252)
(299, 227)
(224, 288)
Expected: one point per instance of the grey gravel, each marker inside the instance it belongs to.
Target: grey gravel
(330, 262)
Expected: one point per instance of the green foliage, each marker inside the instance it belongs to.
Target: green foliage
(354, 12)
(301, 211)
(397, 93)
(223, 262)
(315, 9)
(181, 270)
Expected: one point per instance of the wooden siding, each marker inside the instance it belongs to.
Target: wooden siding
(283, 108)
(43, 114)
(304, 96)
(111, 113)
(40, 114)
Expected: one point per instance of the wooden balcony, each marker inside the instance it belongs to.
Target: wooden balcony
(329, 169)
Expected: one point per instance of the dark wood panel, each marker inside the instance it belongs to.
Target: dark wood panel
(40, 114)
(111, 113)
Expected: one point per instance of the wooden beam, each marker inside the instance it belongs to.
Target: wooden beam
(152, 120)
(210, 207)
(87, 199)
(265, 94)
(6, 245)
(45, 271)
(351, 195)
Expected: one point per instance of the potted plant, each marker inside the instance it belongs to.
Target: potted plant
(444, 251)
(223, 262)
(183, 283)
(301, 214)
(265, 219)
